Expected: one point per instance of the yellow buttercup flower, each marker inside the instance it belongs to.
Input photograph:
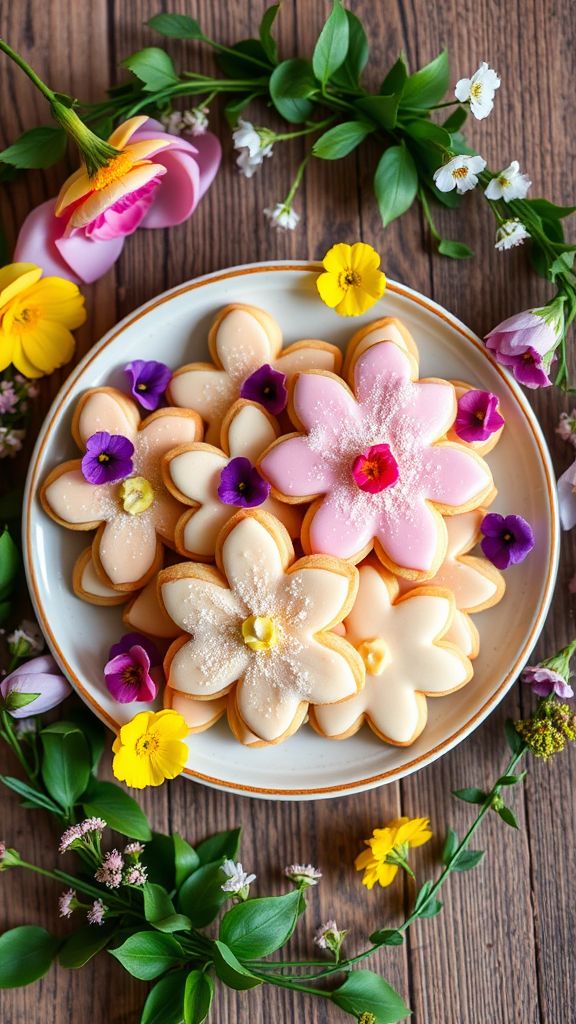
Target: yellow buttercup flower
(149, 749)
(136, 495)
(37, 316)
(352, 282)
(388, 850)
(260, 633)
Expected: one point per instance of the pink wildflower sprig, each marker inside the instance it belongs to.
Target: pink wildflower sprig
(110, 872)
(97, 913)
(84, 838)
(16, 394)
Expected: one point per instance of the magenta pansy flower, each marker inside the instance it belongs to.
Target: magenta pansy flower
(375, 469)
(477, 417)
(39, 679)
(241, 484)
(148, 381)
(108, 458)
(266, 386)
(545, 681)
(507, 540)
(156, 181)
(387, 406)
(131, 669)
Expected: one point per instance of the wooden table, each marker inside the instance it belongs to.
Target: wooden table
(502, 951)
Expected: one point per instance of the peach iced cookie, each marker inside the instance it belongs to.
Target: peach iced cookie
(262, 621)
(401, 641)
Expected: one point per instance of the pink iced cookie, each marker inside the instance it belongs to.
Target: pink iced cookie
(261, 624)
(241, 341)
(194, 474)
(126, 549)
(403, 643)
(375, 463)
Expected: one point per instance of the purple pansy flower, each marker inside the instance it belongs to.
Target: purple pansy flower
(241, 484)
(545, 681)
(34, 687)
(268, 387)
(148, 381)
(108, 458)
(477, 417)
(507, 539)
(132, 669)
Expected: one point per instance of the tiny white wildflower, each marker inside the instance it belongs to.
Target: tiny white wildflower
(303, 875)
(478, 90)
(195, 121)
(461, 173)
(172, 122)
(329, 936)
(511, 233)
(26, 640)
(283, 217)
(237, 880)
(509, 184)
(253, 145)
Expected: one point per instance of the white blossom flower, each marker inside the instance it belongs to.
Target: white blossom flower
(478, 90)
(461, 172)
(195, 121)
(172, 122)
(510, 233)
(26, 640)
(509, 184)
(329, 936)
(253, 144)
(134, 849)
(238, 881)
(303, 875)
(282, 216)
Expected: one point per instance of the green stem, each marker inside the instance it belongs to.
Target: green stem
(288, 983)
(428, 215)
(316, 127)
(13, 742)
(296, 183)
(25, 67)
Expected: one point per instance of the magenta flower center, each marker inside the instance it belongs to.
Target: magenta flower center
(375, 469)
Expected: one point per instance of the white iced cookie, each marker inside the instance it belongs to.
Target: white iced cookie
(87, 584)
(134, 512)
(475, 583)
(199, 715)
(196, 475)
(264, 624)
(407, 658)
(145, 613)
(241, 341)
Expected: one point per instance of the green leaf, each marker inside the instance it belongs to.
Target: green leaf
(508, 816)
(471, 795)
(66, 764)
(427, 131)
(422, 895)
(38, 147)
(257, 928)
(94, 732)
(456, 119)
(176, 26)
(153, 67)
(455, 251)
(201, 896)
(234, 107)
(387, 937)
(427, 86)
(332, 44)
(431, 908)
(246, 59)
(450, 844)
(395, 79)
(269, 44)
(220, 845)
(451, 200)
(459, 144)
(395, 183)
(26, 954)
(107, 800)
(515, 741)
(348, 74)
(341, 140)
(549, 210)
(165, 1003)
(158, 857)
(198, 996)
(83, 944)
(382, 110)
(16, 699)
(292, 84)
(34, 796)
(159, 910)
(230, 970)
(366, 992)
(559, 266)
(185, 858)
(9, 564)
(146, 955)
(511, 780)
(467, 860)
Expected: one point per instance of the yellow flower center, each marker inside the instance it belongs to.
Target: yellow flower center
(460, 172)
(114, 170)
(504, 182)
(136, 495)
(374, 654)
(349, 278)
(25, 319)
(476, 91)
(260, 633)
(147, 744)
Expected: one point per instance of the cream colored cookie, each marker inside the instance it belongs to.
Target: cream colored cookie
(145, 613)
(199, 715)
(88, 586)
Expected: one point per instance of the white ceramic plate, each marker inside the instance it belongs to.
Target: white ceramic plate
(174, 328)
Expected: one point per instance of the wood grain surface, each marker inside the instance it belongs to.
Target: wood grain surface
(503, 950)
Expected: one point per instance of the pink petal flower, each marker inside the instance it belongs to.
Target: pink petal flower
(41, 676)
(77, 258)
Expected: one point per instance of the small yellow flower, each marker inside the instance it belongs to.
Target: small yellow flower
(136, 495)
(260, 633)
(36, 319)
(149, 749)
(352, 282)
(388, 850)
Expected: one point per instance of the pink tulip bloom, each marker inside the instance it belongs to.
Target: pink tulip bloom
(39, 676)
(526, 343)
(156, 181)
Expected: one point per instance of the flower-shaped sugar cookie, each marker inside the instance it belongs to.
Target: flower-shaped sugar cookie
(242, 340)
(402, 643)
(375, 463)
(264, 624)
(475, 583)
(195, 475)
(133, 508)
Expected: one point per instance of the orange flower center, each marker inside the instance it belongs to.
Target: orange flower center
(349, 278)
(147, 744)
(113, 170)
(460, 172)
